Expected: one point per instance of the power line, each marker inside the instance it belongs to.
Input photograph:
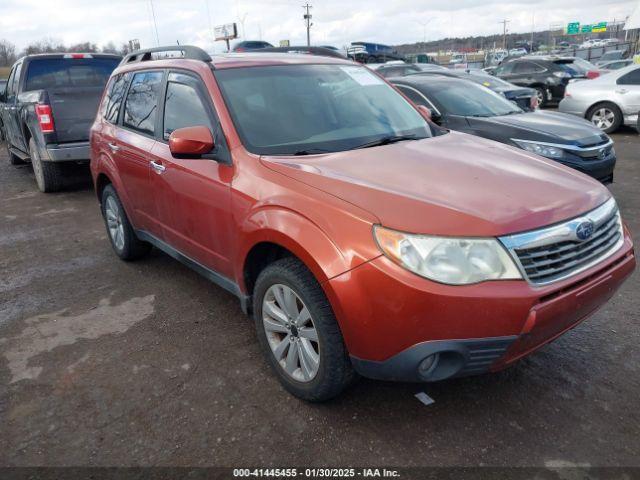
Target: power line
(307, 17)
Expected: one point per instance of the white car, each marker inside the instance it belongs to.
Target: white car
(518, 52)
(608, 101)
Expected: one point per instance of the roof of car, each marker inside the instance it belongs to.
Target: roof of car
(429, 80)
(236, 60)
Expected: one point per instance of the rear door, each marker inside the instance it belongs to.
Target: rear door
(132, 145)
(193, 196)
(74, 84)
(11, 110)
(628, 90)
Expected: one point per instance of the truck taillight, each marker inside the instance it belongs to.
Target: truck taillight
(591, 74)
(45, 118)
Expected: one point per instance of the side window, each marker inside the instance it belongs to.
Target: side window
(141, 105)
(14, 81)
(524, 67)
(631, 78)
(113, 97)
(504, 69)
(183, 107)
(8, 88)
(414, 96)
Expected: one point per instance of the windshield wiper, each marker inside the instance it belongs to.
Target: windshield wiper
(310, 151)
(387, 140)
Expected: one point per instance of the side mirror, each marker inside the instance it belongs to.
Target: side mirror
(190, 142)
(429, 114)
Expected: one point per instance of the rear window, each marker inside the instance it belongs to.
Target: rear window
(49, 73)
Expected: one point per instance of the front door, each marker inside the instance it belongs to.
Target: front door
(193, 196)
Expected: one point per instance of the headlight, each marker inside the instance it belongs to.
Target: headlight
(540, 149)
(455, 261)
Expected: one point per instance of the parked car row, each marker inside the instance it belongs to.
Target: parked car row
(361, 236)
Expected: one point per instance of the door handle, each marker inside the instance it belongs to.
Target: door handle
(114, 148)
(622, 90)
(158, 168)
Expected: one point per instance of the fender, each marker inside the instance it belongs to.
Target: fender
(297, 234)
(105, 165)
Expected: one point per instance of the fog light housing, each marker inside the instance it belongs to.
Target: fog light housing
(428, 364)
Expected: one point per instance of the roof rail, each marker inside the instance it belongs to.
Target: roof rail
(190, 52)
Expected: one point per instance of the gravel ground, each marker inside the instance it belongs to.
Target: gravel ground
(147, 363)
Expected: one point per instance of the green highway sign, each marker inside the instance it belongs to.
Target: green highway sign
(586, 28)
(573, 28)
(599, 27)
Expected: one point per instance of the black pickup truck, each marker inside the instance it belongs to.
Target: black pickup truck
(47, 109)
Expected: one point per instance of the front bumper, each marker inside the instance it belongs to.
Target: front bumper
(68, 152)
(600, 169)
(393, 320)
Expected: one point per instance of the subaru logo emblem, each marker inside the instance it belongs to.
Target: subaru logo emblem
(584, 230)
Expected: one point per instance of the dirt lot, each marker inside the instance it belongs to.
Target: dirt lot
(147, 363)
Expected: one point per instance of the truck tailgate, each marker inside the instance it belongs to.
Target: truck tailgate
(74, 110)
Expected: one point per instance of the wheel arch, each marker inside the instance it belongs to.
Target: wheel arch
(600, 102)
(272, 233)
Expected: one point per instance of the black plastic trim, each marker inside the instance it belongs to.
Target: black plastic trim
(220, 280)
(456, 358)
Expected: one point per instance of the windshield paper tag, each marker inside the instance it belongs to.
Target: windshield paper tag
(362, 75)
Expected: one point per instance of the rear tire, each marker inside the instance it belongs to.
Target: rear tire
(316, 329)
(48, 174)
(606, 116)
(121, 234)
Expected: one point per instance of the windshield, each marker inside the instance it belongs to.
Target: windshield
(487, 81)
(292, 109)
(471, 100)
(48, 73)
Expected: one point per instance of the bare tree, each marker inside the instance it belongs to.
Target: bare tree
(110, 48)
(7, 53)
(46, 45)
(83, 47)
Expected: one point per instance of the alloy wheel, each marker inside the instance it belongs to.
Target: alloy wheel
(291, 333)
(114, 223)
(603, 118)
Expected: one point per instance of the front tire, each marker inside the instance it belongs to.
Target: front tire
(606, 116)
(48, 174)
(299, 333)
(123, 239)
(543, 96)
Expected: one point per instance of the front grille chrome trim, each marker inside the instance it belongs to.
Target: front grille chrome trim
(565, 255)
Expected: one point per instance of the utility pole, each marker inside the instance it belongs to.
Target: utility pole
(307, 18)
(504, 32)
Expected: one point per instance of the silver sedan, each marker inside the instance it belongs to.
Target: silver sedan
(608, 101)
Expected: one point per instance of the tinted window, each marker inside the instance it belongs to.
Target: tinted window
(183, 108)
(504, 69)
(141, 106)
(631, 78)
(526, 67)
(292, 108)
(9, 86)
(50, 73)
(113, 97)
(414, 96)
(469, 99)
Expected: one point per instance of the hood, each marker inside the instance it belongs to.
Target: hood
(551, 127)
(454, 184)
